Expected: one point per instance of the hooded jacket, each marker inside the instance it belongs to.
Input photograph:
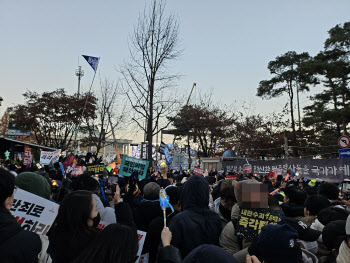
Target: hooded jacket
(16, 244)
(145, 212)
(196, 224)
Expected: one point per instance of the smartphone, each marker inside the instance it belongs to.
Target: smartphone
(39, 166)
(345, 187)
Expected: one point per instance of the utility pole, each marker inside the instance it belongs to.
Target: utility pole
(79, 73)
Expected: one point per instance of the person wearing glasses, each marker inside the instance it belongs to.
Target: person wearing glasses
(16, 244)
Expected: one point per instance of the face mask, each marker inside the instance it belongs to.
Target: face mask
(96, 220)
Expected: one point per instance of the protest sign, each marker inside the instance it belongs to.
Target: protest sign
(247, 168)
(162, 147)
(198, 170)
(78, 170)
(33, 212)
(167, 155)
(69, 163)
(96, 168)
(130, 164)
(140, 234)
(47, 157)
(250, 221)
(27, 156)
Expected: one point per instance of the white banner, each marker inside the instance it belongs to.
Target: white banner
(33, 212)
(47, 157)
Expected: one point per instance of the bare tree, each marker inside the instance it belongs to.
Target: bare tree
(148, 85)
(111, 114)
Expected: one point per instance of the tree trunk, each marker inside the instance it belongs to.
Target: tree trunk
(150, 122)
(292, 118)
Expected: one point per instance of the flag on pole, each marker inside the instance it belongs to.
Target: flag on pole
(93, 61)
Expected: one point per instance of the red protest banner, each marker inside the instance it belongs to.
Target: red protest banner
(27, 156)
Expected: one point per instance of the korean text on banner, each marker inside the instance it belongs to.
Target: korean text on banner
(96, 168)
(250, 221)
(140, 234)
(47, 157)
(33, 212)
(129, 165)
(198, 170)
(27, 156)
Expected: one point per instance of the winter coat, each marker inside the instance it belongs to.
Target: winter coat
(169, 254)
(209, 254)
(307, 257)
(196, 224)
(16, 244)
(145, 212)
(308, 220)
(154, 233)
(228, 239)
(292, 210)
(216, 209)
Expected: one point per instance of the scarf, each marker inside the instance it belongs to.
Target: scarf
(344, 253)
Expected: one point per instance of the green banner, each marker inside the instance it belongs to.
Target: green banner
(129, 165)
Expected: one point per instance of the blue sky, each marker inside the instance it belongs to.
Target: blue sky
(227, 44)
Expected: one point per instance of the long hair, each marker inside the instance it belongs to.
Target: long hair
(74, 213)
(116, 243)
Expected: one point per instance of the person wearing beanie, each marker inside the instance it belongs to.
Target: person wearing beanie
(344, 250)
(283, 240)
(33, 183)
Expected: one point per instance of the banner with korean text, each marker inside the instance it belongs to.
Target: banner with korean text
(47, 157)
(333, 169)
(33, 212)
(129, 165)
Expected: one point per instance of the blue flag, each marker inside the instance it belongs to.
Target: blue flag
(167, 155)
(93, 61)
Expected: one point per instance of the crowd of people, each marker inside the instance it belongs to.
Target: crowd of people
(202, 223)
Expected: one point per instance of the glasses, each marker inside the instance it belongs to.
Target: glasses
(15, 190)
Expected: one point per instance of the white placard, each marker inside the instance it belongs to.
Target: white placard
(32, 212)
(47, 157)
